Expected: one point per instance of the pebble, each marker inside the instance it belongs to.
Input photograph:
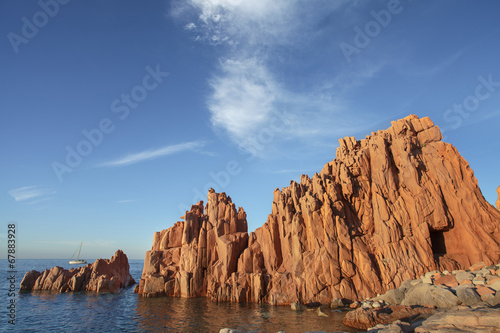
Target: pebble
(431, 274)
(427, 280)
(479, 280)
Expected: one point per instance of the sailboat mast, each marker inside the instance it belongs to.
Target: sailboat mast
(78, 256)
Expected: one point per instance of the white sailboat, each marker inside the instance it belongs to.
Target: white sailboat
(78, 260)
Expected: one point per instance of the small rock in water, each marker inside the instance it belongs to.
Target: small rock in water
(297, 306)
(321, 313)
(337, 303)
(366, 305)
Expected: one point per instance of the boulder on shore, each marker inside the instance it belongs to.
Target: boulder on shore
(430, 295)
(463, 319)
(297, 307)
(365, 318)
(104, 275)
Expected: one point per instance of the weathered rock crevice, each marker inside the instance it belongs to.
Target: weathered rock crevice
(390, 207)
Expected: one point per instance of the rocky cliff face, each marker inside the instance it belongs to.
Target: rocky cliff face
(199, 256)
(390, 207)
(498, 200)
(104, 275)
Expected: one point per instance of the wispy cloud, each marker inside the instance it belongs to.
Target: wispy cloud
(253, 80)
(154, 153)
(86, 245)
(237, 22)
(243, 97)
(125, 201)
(292, 171)
(433, 70)
(479, 118)
(31, 194)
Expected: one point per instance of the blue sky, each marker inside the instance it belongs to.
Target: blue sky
(116, 116)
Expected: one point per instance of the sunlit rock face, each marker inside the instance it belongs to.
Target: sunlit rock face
(104, 275)
(388, 208)
(498, 200)
(198, 256)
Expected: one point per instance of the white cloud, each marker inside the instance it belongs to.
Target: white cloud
(243, 97)
(190, 26)
(236, 21)
(251, 82)
(152, 154)
(31, 194)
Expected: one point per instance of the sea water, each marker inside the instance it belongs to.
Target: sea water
(127, 312)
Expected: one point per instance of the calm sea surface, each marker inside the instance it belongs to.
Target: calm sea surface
(125, 312)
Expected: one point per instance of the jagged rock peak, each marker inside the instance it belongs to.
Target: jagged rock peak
(390, 207)
(196, 256)
(498, 200)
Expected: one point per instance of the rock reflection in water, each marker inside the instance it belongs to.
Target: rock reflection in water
(201, 315)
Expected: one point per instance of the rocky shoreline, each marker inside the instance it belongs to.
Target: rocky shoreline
(427, 304)
(439, 301)
(386, 210)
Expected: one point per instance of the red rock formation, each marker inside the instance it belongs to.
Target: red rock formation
(103, 275)
(389, 208)
(197, 257)
(498, 200)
